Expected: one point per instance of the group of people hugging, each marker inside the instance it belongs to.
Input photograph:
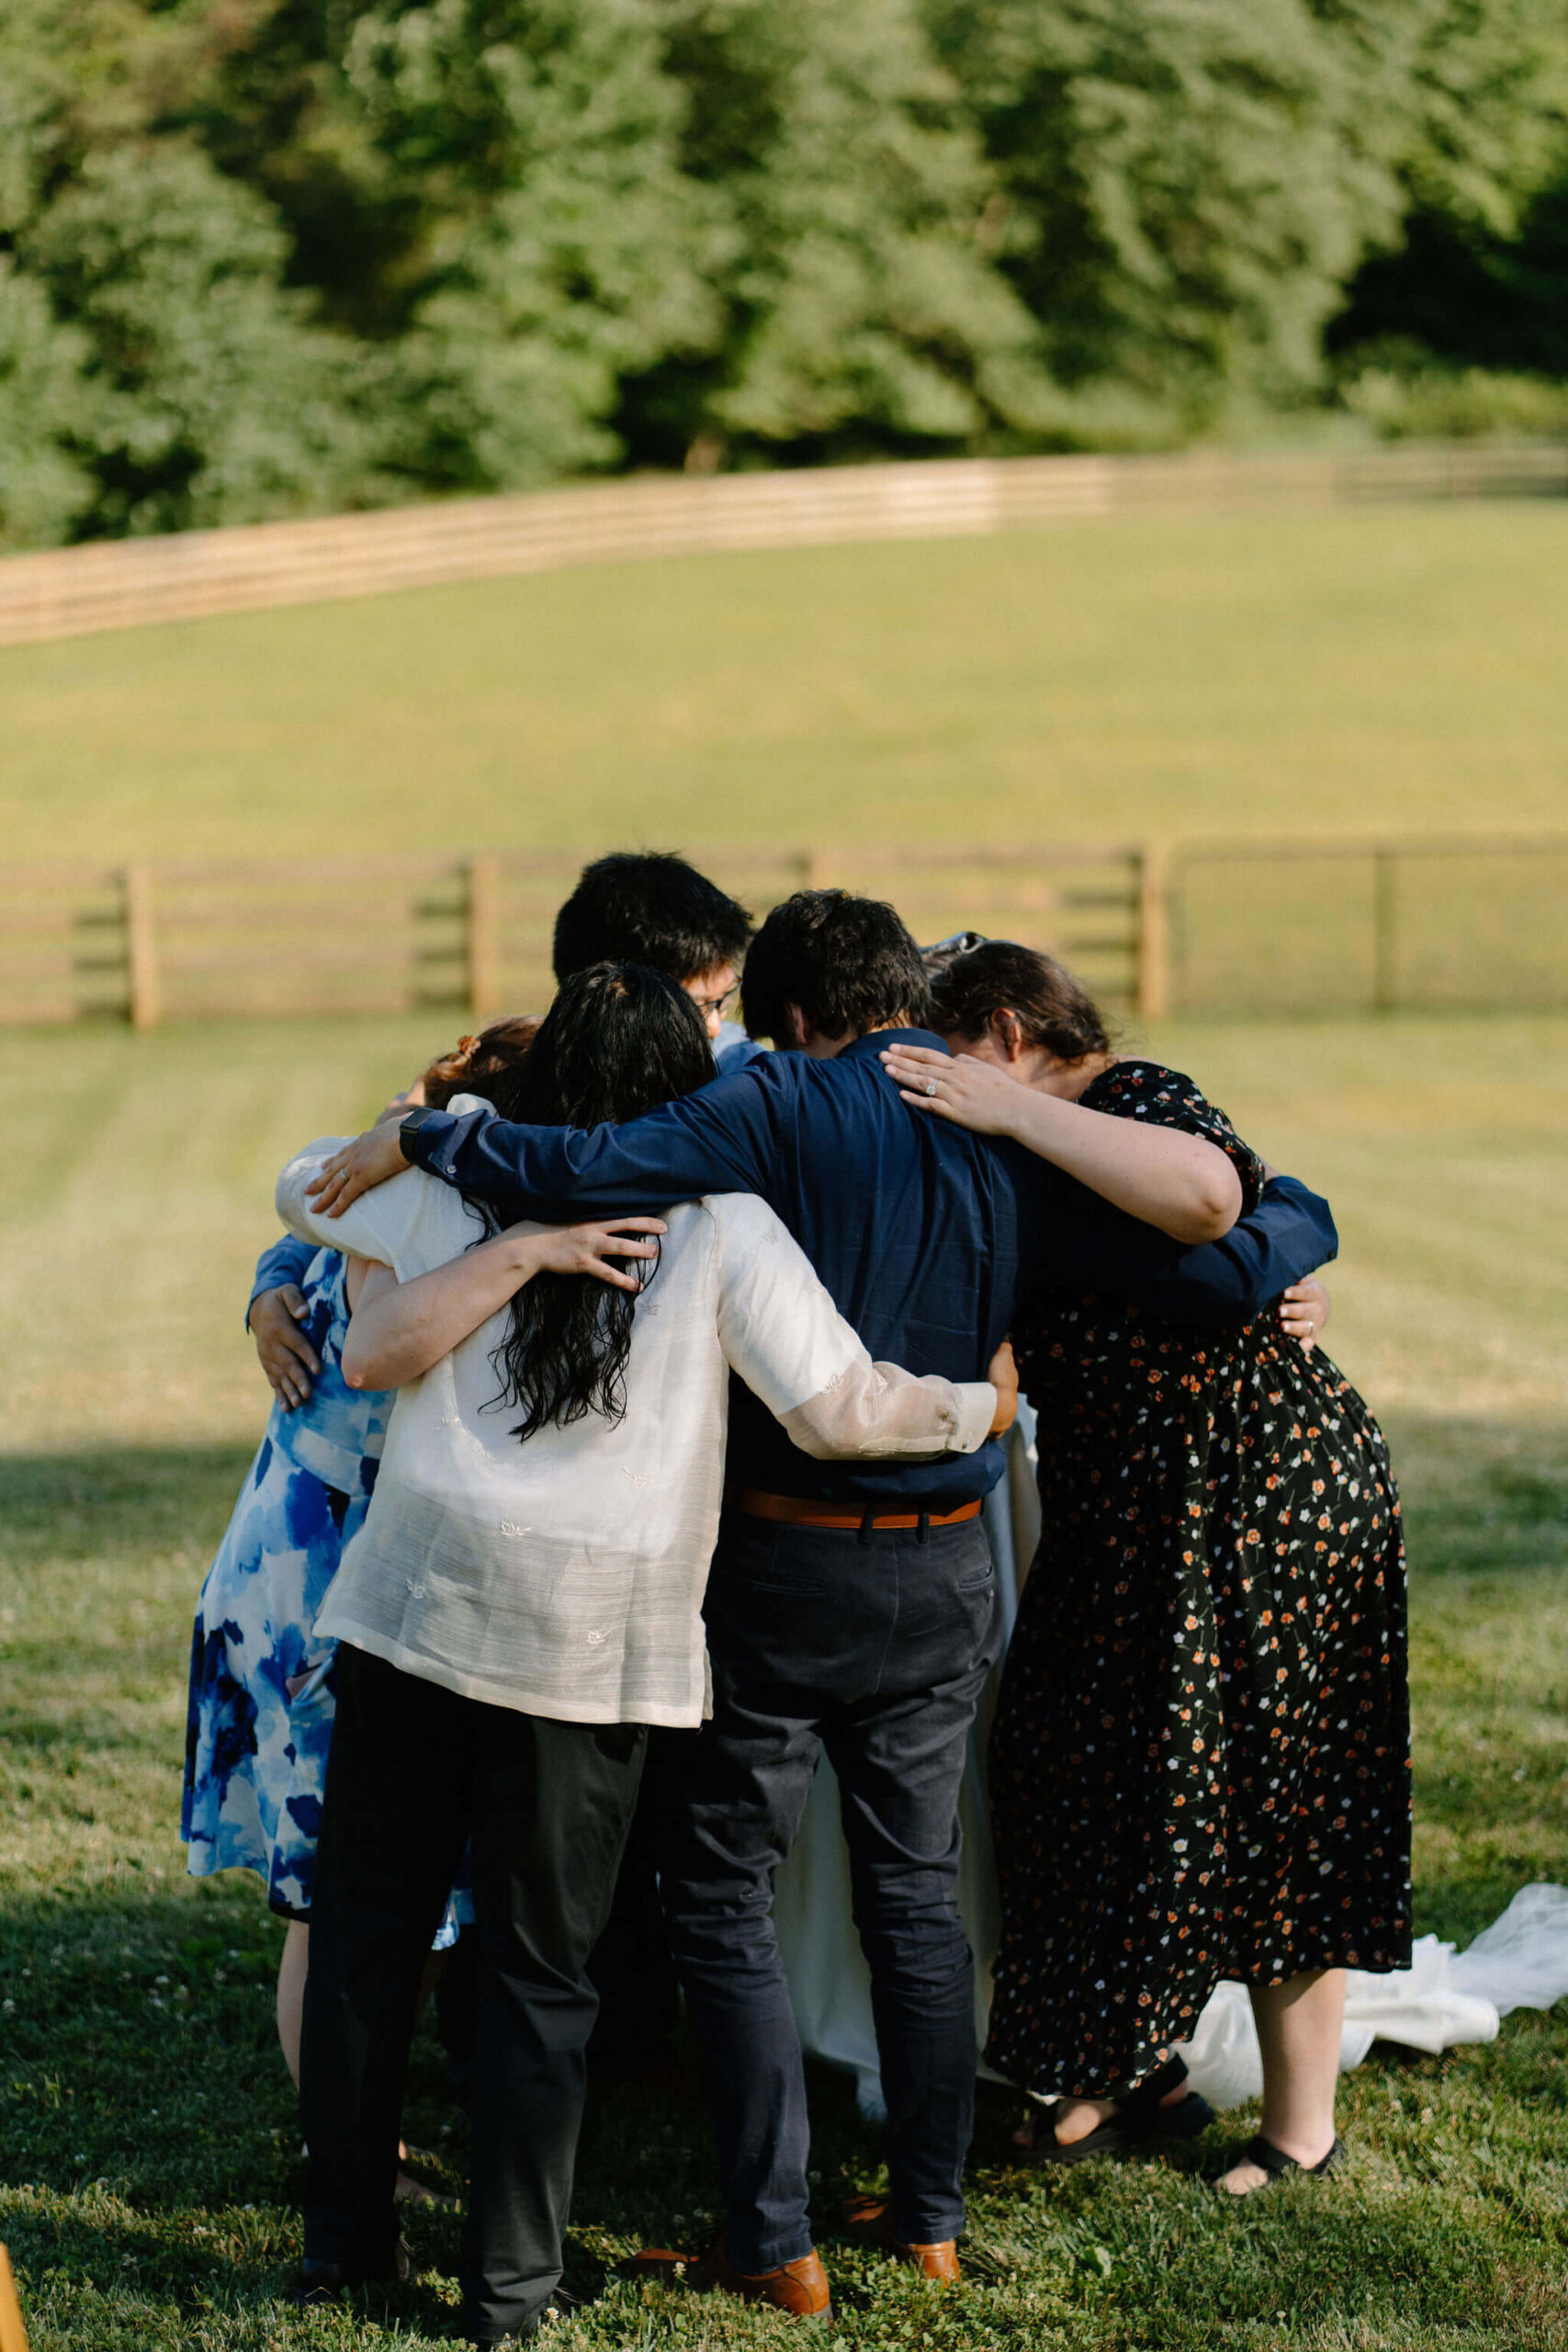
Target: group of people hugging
(638, 1390)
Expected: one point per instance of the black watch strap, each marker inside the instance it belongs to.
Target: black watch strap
(423, 1114)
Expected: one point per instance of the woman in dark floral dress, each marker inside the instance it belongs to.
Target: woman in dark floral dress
(1200, 1765)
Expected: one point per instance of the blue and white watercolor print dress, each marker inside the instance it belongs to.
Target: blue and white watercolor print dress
(260, 1685)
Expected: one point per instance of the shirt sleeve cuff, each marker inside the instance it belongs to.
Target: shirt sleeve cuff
(976, 1411)
(425, 1136)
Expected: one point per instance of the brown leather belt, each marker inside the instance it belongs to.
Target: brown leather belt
(795, 1512)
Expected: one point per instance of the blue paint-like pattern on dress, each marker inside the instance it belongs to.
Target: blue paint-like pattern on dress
(260, 1685)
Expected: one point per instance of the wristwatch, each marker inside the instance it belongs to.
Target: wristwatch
(423, 1114)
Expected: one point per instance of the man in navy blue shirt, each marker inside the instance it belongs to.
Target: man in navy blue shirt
(851, 1606)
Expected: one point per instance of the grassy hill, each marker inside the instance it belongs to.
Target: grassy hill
(1400, 666)
(150, 2170)
(1394, 668)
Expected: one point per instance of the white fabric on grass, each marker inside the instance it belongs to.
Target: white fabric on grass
(1444, 1997)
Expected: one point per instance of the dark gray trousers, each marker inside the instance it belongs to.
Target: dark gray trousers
(876, 1648)
(416, 1773)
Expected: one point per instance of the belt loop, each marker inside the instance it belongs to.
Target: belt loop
(866, 1527)
(924, 1535)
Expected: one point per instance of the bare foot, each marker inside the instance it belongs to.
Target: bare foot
(1075, 2118)
(1245, 2177)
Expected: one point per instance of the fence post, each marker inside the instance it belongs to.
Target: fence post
(484, 990)
(1385, 938)
(144, 1003)
(1154, 931)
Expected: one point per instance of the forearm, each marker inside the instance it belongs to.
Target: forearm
(714, 1141)
(287, 1261)
(1178, 1183)
(399, 1329)
(1287, 1237)
(879, 1411)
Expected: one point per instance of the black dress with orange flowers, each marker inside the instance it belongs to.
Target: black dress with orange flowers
(1200, 1764)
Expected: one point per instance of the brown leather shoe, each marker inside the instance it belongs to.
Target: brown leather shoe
(869, 2220)
(799, 2288)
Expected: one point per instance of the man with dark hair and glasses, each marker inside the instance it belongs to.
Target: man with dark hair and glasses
(851, 1607)
(649, 907)
(633, 907)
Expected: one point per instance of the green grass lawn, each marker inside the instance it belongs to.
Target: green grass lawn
(148, 2147)
(1398, 666)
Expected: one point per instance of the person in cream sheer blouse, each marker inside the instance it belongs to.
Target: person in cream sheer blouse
(524, 1601)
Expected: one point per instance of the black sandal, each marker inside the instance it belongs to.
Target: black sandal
(1111, 2133)
(1140, 2117)
(1148, 2118)
(1275, 2164)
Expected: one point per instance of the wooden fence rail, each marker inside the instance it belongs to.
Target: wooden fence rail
(1312, 925)
(123, 584)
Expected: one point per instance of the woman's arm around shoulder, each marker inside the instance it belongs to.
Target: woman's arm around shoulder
(1160, 1161)
(781, 1331)
(398, 1329)
(384, 1225)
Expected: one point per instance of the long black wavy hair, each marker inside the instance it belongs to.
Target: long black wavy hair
(618, 1040)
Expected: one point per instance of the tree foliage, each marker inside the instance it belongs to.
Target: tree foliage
(266, 256)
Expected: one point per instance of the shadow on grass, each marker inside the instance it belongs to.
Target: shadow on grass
(76, 1505)
(139, 2049)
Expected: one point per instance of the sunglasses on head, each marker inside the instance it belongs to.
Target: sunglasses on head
(944, 952)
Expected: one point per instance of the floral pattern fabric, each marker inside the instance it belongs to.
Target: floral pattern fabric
(1200, 1765)
(261, 1708)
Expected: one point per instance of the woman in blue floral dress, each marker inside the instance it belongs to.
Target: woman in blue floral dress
(260, 1718)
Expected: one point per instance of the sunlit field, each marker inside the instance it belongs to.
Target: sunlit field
(148, 2146)
(1396, 669)
(1393, 667)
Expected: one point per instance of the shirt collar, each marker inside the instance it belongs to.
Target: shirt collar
(878, 1040)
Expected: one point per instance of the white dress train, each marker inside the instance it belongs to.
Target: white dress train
(1444, 1997)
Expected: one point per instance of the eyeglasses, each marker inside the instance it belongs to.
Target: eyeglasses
(710, 1004)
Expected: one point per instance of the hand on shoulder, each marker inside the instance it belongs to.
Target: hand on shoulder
(971, 1092)
(369, 1160)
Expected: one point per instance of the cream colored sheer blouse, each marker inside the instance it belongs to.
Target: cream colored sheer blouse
(565, 1577)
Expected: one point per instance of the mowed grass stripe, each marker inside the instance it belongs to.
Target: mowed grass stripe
(151, 2148)
(1398, 667)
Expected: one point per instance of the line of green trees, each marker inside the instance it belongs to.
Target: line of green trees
(272, 256)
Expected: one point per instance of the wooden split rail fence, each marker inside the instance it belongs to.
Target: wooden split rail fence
(125, 584)
(1310, 925)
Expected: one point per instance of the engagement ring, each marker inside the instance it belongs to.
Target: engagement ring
(931, 1085)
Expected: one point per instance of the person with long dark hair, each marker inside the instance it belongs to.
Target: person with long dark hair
(523, 1602)
(1199, 1761)
(259, 1716)
(852, 1608)
(632, 907)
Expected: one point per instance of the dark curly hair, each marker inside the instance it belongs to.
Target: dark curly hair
(618, 1040)
(1053, 1010)
(848, 963)
(648, 906)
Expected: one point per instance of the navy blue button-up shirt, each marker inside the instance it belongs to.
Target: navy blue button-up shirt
(285, 1261)
(926, 1237)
